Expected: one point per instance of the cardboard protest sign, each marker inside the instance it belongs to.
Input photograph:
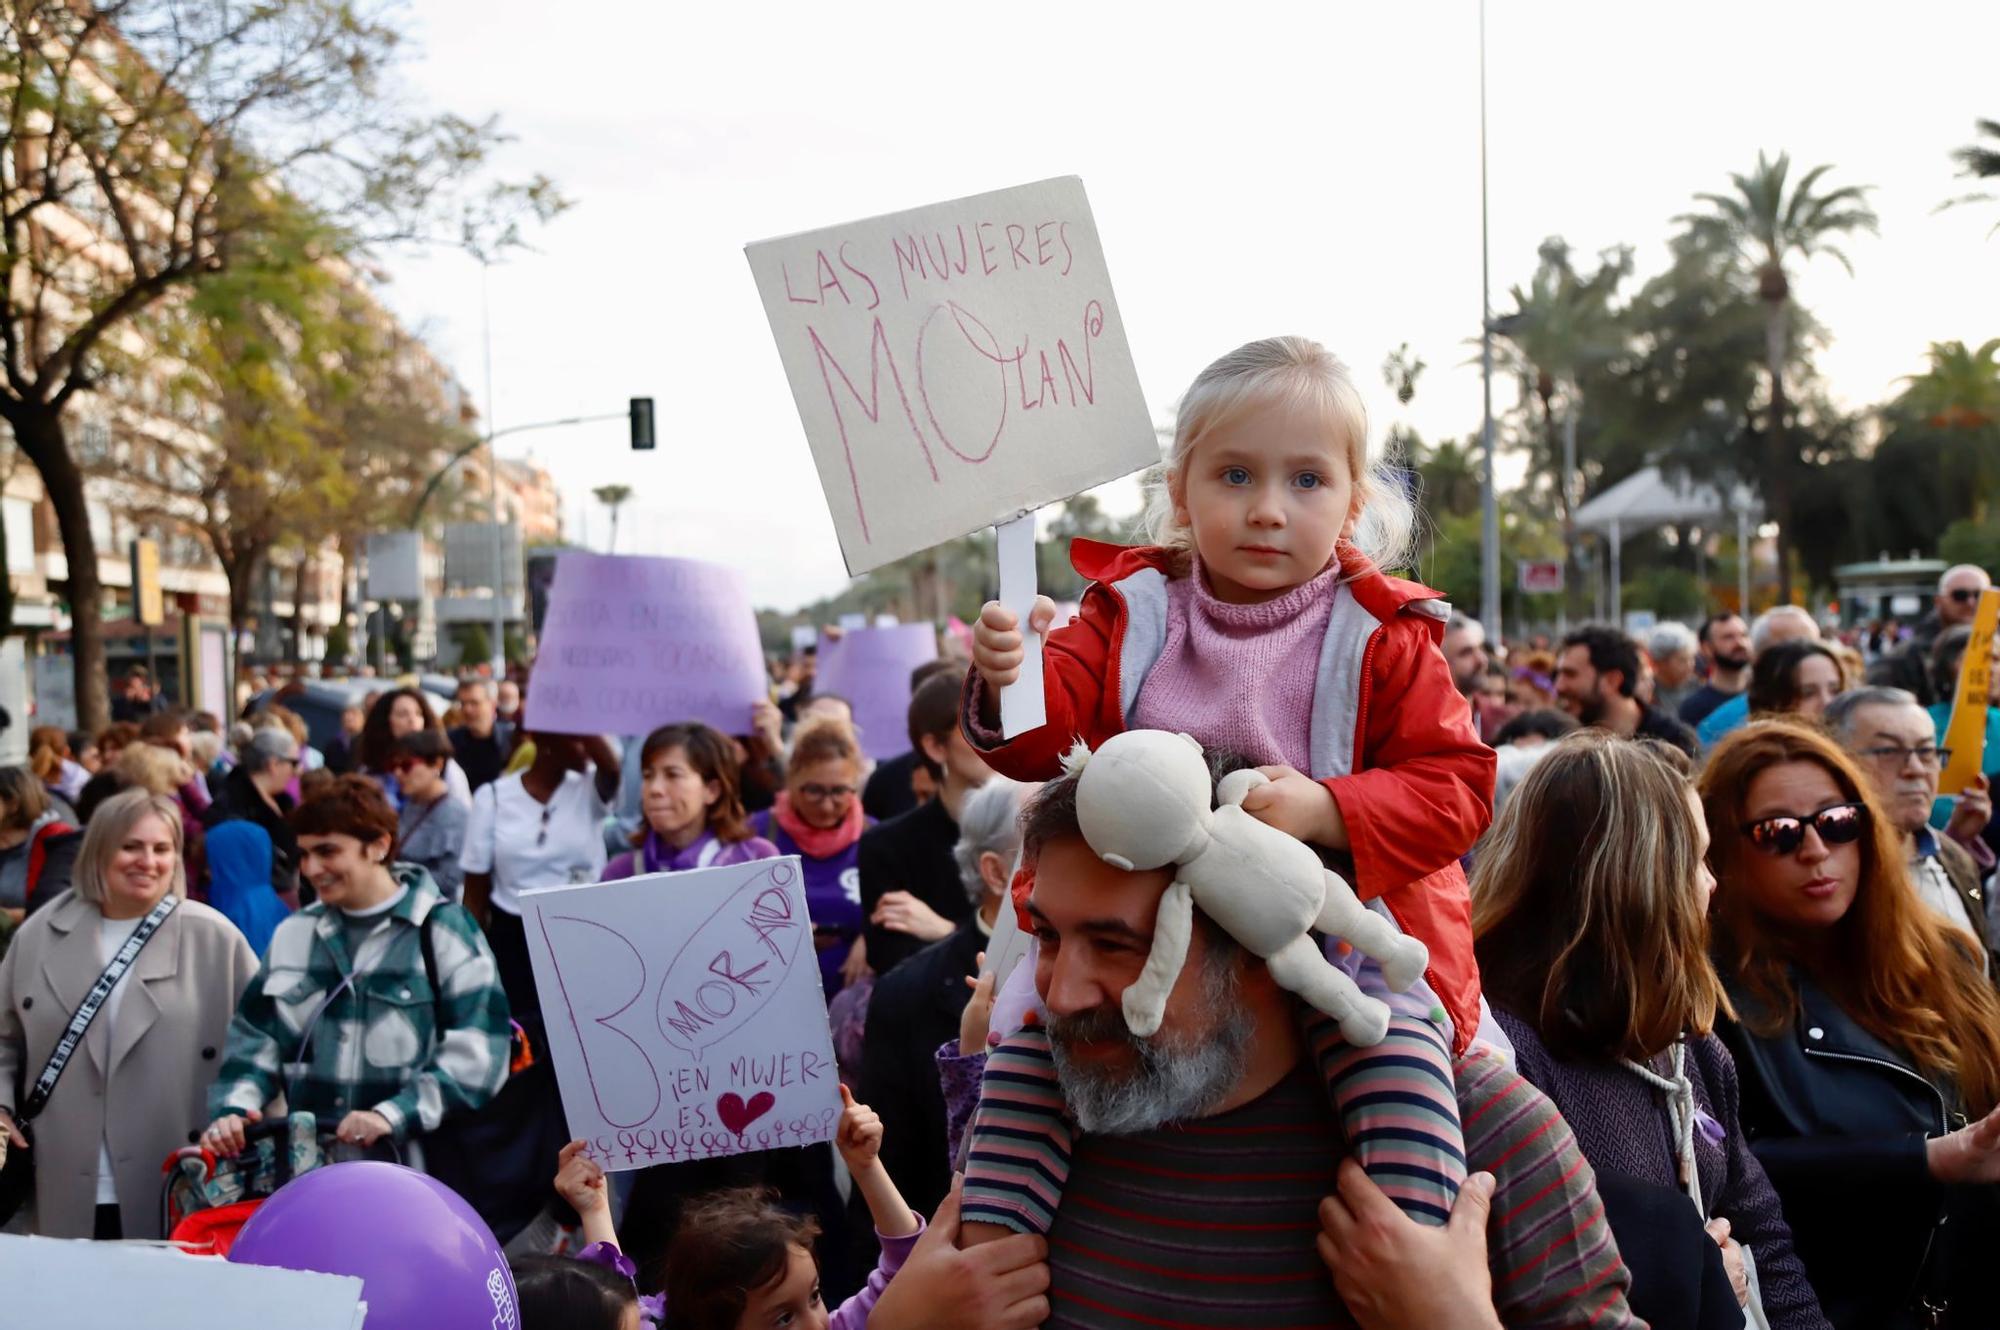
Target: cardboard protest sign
(632, 643)
(955, 365)
(685, 1013)
(1966, 735)
(117, 1285)
(870, 667)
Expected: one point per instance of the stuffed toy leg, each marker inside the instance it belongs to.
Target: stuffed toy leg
(1301, 967)
(1402, 958)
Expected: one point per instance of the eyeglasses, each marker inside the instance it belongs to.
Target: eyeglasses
(826, 793)
(1964, 595)
(1782, 835)
(1892, 756)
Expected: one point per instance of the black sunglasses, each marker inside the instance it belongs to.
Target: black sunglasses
(1839, 824)
(1965, 595)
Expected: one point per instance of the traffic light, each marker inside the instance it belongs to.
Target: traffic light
(642, 423)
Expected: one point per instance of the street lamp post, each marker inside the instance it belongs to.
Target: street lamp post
(1489, 502)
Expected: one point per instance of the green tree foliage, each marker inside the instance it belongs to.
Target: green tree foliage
(178, 132)
(1768, 220)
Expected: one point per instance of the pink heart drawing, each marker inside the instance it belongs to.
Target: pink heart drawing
(737, 1115)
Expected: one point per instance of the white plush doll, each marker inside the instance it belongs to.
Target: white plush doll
(1142, 802)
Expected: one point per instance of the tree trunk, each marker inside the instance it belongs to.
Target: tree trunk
(239, 568)
(7, 580)
(1777, 461)
(39, 431)
(297, 652)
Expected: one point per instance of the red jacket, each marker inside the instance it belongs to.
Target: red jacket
(1419, 791)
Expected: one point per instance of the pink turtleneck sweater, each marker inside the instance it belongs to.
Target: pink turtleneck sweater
(1240, 677)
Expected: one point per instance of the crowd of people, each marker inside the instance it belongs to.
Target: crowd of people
(1706, 1033)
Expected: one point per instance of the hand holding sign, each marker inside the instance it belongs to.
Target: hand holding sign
(686, 1017)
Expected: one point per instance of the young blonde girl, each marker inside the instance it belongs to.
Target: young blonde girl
(1260, 623)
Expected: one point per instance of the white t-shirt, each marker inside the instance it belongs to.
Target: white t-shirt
(111, 935)
(524, 843)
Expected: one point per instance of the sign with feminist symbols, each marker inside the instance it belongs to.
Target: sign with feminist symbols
(685, 1013)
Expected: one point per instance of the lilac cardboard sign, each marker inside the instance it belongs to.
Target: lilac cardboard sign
(870, 667)
(631, 644)
(685, 1013)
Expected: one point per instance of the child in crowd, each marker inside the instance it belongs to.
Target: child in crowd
(1261, 623)
(740, 1261)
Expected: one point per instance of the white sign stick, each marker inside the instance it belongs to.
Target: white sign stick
(1023, 706)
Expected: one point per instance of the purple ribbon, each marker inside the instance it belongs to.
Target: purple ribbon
(1711, 1130)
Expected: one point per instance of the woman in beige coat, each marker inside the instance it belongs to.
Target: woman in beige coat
(137, 1089)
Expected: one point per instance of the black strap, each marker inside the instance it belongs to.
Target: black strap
(93, 1002)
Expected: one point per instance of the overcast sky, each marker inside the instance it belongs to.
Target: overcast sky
(1271, 168)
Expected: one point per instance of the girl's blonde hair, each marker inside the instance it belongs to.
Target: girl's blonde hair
(1298, 371)
(149, 768)
(1587, 917)
(113, 821)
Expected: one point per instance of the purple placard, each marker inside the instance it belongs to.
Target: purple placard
(633, 643)
(870, 667)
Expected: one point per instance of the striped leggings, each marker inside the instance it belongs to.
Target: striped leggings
(1396, 1104)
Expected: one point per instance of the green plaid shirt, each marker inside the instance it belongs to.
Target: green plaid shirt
(374, 1044)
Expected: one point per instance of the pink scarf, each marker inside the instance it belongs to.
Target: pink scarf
(819, 842)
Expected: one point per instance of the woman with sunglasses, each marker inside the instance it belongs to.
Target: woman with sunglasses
(431, 822)
(1590, 904)
(818, 817)
(1866, 1036)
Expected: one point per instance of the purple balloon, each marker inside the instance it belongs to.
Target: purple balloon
(425, 1259)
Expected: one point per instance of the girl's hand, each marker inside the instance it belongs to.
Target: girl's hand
(977, 1018)
(997, 646)
(362, 1128)
(580, 1181)
(900, 912)
(1299, 806)
(859, 1138)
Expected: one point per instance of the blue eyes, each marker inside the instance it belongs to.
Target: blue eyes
(1305, 480)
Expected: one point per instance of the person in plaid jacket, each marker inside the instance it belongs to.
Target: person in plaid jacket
(343, 1021)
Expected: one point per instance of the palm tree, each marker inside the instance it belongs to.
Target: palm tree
(1766, 225)
(1560, 327)
(1960, 395)
(1979, 161)
(612, 497)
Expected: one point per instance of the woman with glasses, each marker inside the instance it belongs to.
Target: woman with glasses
(1865, 1033)
(691, 805)
(818, 817)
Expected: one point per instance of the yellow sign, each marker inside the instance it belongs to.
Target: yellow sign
(147, 606)
(1966, 735)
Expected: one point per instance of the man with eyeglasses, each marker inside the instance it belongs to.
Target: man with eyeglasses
(1957, 602)
(1895, 741)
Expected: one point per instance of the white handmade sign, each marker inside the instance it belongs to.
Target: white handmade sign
(685, 1013)
(955, 365)
(631, 644)
(118, 1285)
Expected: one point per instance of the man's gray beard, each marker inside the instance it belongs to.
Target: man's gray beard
(1176, 1078)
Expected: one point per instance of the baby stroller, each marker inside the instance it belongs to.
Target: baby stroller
(205, 1199)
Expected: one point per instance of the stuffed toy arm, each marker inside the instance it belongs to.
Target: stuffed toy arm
(1145, 998)
(1230, 790)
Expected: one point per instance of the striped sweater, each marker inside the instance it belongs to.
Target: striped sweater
(1212, 1223)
